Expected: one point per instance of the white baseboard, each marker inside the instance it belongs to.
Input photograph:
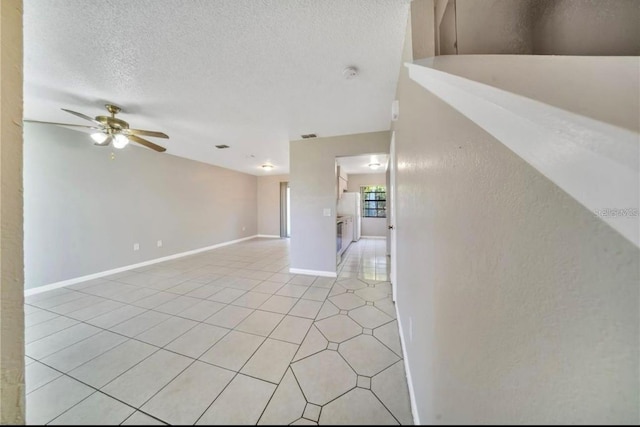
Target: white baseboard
(407, 371)
(75, 280)
(373, 237)
(313, 272)
(268, 236)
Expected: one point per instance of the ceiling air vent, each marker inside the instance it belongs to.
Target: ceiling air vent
(309, 135)
(220, 147)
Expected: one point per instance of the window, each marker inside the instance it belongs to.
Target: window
(374, 201)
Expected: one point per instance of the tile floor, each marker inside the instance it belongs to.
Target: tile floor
(222, 337)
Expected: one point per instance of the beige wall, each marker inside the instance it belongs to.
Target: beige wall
(84, 211)
(374, 227)
(314, 188)
(517, 304)
(269, 204)
(12, 391)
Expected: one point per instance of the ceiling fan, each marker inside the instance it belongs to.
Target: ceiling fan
(111, 129)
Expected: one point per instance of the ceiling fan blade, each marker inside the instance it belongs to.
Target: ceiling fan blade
(146, 133)
(63, 124)
(146, 143)
(82, 116)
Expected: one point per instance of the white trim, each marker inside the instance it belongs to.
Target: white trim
(594, 162)
(75, 280)
(268, 236)
(407, 371)
(373, 237)
(313, 272)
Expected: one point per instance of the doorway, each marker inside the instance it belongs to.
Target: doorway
(285, 209)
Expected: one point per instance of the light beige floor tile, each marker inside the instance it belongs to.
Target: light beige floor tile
(226, 295)
(324, 376)
(292, 329)
(204, 291)
(316, 294)
(300, 279)
(31, 299)
(327, 310)
(97, 409)
(37, 317)
(165, 332)
(186, 398)
(197, 340)
(391, 388)
(359, 406)
(104, 368)
(386, 305)
(373, 294)
(352, 283)
(141, 419)
(278, 304)
(347, 301)
(312, 412)
(389, 335)
(155, 300)
(251, 299)
(116, 316)
(271, 360)
(177, 305)
(289, 290)
(366, 355)
(338, 328)
(76, 304)
(184, 287)
(141, 382)
(268, 287)
(229, 317)
(287, 403)
(52, 399)
(95, 310)
(202, 310)
(47, 328)
(260, 323)
(142, 322)
(323, 282)
(47, 302)
(233, 351)
(75, 355)
(369, 316)
(231, 406)
(306, 308)
(304, 422)
(134, 295)
(56, 342)
(313, 343)
(37, 375)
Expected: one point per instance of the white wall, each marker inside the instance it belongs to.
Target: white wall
(314, 188)
(375, 227)
(269, 204)
(523, 305)
(84, 211)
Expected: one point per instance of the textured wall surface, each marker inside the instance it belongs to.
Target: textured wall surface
(517, 304)
(269, 204)
(370, 226)
(314, 188)
(84, 211)
(12, 389)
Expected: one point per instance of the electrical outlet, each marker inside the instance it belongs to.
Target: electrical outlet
(159, 243)
(136, 246)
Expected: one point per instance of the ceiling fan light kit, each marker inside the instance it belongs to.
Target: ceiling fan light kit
(110, 129)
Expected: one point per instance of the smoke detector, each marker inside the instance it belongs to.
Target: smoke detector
(350, 73)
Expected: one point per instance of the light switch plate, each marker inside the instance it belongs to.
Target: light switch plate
(326, 212)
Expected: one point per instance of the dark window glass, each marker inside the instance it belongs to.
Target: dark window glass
(374, 201)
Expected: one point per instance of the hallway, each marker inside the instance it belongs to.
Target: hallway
(226, 336)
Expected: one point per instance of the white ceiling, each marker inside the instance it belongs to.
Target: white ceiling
(360, 164)
(246, 73)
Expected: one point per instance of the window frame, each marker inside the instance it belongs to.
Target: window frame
(376, 201)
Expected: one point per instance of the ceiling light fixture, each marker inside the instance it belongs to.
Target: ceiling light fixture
(99, 137)
(374, 166)
(267, 167)
(120, 141)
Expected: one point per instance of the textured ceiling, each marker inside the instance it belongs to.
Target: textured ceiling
(247, 73)
(360, 164)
